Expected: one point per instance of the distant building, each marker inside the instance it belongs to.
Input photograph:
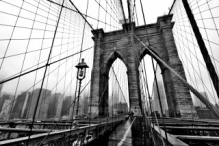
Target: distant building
(197, 101)
(20, 105)
(204, 113)
(113, 100)
(52, 106)
(59, 105)
(55, 105)
(66, 103)
(2, 100)
(26, 105)
(6, 105)
(155, 98)
(43, 105)
(84, 105)
(1, 86)
(120, 108)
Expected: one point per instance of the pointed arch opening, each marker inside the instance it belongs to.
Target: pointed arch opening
(118, 97)
(152, 88)
(113, 57)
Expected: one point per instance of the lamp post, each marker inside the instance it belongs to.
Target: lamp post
(81, 66)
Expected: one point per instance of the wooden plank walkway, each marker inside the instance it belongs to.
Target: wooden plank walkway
(129, 133)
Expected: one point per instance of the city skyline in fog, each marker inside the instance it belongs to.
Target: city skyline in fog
(32, 38)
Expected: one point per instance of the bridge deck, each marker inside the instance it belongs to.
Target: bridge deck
(129, 133)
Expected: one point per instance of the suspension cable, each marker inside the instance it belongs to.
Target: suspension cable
(37, 102)
(207, 103)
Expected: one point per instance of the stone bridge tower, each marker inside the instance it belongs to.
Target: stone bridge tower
(121, 44)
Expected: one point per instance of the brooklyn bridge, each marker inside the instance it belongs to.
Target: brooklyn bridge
(109, 72)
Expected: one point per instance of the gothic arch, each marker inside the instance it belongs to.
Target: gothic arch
(113, 56)
(119, 44)
(145, 52)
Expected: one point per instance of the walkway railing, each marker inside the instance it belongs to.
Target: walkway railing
(79, 135)
(181, 132)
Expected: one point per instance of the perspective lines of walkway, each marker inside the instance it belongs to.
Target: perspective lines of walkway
(129, 133)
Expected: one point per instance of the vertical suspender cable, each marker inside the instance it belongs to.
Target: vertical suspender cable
(154, 73)
(158, 93)
(47, 64)
(123, 13)
(146, 81)
(82, 42)
(129, 11)
(148, 104)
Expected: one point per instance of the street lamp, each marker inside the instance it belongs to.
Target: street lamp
(81, 66)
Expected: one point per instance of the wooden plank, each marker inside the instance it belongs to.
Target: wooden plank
(171, 138)
(190, 124)
(193, 128)
(199, 138)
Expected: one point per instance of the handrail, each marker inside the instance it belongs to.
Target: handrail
(35, 139)
(199, 138)
(23, 130)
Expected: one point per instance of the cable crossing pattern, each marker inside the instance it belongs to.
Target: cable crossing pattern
(164, 73)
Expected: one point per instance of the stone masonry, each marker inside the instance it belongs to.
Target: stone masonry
(121, 44)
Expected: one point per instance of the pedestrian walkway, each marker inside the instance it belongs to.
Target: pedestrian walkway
(129, 133)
